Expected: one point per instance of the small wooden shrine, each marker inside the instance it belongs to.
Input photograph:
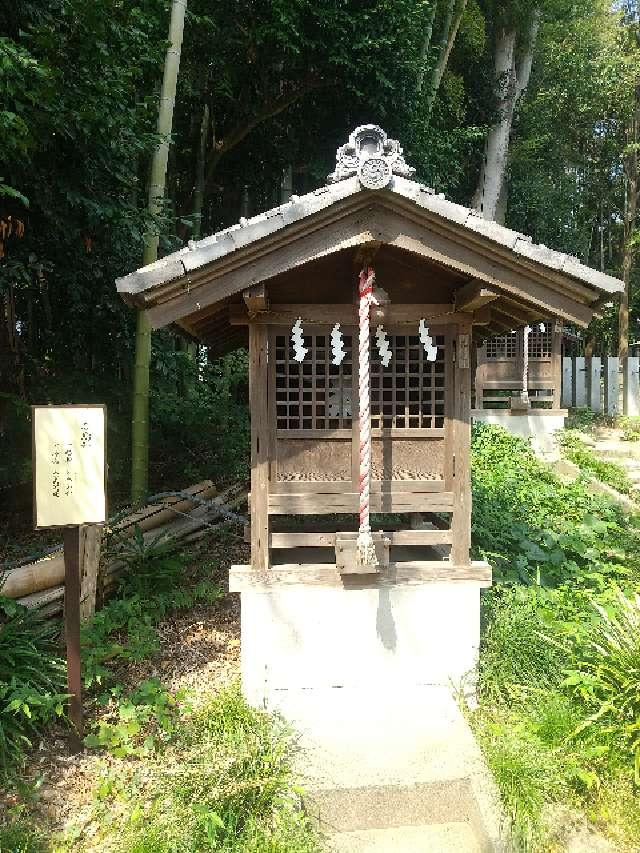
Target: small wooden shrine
(361, 304)
(504, 374)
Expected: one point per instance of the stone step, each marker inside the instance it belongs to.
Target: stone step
(379, 764)
(452, 837)
(618, 450)
(385, 806)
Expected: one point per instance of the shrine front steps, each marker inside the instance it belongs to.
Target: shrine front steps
(395, 768)
(452, 837)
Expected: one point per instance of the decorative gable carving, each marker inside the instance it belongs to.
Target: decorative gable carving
(372, 156)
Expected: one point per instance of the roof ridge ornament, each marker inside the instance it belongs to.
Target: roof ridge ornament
(372, 156)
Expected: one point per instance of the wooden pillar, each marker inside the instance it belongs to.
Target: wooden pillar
(90, 540)
(259, 410)
(461, 518)
(556, 364)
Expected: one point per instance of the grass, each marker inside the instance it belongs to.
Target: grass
(223, 781)
(171, 772)
(559, 687)
(575, 450)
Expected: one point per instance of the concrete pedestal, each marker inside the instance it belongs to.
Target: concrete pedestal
(537, 425)
(399, 636)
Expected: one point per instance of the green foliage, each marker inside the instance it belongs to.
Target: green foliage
(199, 417)
(21, 836)
(222, 782)
(124, 629)
(630, 428)
(32, 681)
(138, 724)
(576, 451)
(605, 678)
(558, 674)
(514, 620)
(534, 528)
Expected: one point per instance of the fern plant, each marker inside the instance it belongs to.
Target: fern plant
(32, 680)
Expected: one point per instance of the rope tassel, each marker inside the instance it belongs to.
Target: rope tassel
(365, 548)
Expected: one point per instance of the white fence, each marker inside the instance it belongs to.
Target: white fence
(604, 384)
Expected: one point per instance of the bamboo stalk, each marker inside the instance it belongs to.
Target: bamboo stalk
(140, 405)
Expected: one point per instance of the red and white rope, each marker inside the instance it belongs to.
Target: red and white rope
(365, 551)
(525, 364)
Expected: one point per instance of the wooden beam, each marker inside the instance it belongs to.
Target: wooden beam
(519, 315)
(357, 222)
(473, 296)
(259, 408)
(242, 578)
(482, 316)
(256, 299)
(348, 502)
(347, 315)
(328, 540)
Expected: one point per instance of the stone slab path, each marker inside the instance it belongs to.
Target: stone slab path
(393, 769)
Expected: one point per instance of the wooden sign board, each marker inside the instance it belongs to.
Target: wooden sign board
(69, 465)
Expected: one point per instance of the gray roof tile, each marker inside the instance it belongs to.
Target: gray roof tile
(299, 207)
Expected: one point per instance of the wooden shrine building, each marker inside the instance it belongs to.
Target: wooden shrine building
(365, 296)
(501, 366)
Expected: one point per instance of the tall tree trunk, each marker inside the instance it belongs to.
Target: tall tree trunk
(454, 13)
(286, 184)
(630, 216)
(140, 407)
(512, 78)
(426, 44)
(201, 160)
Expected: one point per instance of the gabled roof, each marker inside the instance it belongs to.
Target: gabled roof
(368, 201)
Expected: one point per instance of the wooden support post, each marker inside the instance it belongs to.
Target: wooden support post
(630, 387)
(72, 631)
(612, 385)
(567, 381)
(259, 408)
(556, 363)
(90, 540)
(594, 397)
(461, 518)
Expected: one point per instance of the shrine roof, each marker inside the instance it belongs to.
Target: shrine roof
(370, 171)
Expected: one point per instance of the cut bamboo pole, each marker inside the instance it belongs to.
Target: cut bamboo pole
(49, 571)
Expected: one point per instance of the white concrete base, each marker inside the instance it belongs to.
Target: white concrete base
(537, 425)
(399, 636)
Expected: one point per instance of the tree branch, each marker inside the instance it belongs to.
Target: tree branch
(270, 108)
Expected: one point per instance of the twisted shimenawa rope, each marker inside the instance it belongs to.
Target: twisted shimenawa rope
(365, 551)
(525, 364)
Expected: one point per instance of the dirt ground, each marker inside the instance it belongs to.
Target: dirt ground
(199, 652)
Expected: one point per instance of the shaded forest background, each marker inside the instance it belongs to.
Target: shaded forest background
(266, 93)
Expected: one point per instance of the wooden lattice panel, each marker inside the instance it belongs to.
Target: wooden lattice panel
(540, 344)
(502, 346)
(407, 459)
(410, 392)
(311, 460)
(313, 394)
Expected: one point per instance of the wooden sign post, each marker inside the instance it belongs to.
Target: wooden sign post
(69, 489)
